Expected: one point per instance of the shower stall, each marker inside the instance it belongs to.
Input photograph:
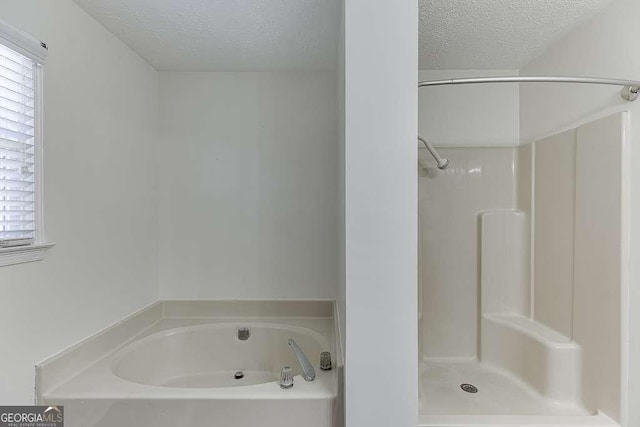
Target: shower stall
(522, 282)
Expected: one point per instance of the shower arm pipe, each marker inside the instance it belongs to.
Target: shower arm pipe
(442, 162)
(630, 91)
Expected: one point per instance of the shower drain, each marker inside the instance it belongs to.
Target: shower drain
(469, 388)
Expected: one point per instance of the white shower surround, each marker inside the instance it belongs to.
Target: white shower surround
(568, 378)
(479, 179)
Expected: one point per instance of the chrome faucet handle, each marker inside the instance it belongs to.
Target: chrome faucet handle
(308, 373)
(286, 378)
(325, 361)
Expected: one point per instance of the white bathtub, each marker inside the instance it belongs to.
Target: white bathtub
(209, 356)
(181, 372)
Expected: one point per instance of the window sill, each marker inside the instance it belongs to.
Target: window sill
(22, 254)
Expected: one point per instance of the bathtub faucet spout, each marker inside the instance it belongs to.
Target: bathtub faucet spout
(308, 373)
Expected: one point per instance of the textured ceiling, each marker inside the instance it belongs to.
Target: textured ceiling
(221, 35)
(243, 35)
(495, 34)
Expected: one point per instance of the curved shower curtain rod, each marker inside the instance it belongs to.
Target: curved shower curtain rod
(630, 92)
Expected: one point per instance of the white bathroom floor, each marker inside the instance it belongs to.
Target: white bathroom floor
(498, 393)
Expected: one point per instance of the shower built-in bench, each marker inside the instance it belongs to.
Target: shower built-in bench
(510, 339)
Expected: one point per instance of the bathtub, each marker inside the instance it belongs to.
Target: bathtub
(212, 356)
(194, 372)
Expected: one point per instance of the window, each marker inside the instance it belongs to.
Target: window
(17, 148)
(21, 61)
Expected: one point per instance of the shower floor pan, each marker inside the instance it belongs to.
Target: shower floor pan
(501, 400)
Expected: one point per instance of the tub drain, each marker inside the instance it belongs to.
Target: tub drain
(238, 375)
(469, 388)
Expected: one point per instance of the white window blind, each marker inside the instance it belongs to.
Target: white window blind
(17, 148)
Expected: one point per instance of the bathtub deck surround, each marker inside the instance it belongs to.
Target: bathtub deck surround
(202, 357)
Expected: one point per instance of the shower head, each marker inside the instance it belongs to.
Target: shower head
(443, 163)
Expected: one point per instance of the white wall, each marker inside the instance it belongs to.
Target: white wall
(340, 75)
(341, 304)
(248, 178)
(469, 115)
(381, 109)
(600, 48)
(99, 135)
